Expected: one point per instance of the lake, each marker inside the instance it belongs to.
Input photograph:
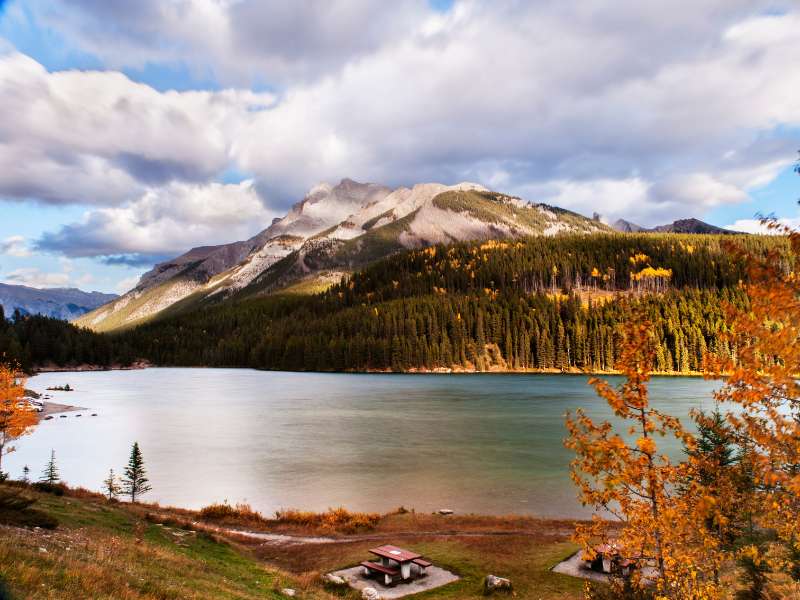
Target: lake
(472, 443)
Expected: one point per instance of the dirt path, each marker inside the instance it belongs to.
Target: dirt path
(283, 539)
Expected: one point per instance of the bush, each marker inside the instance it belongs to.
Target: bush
(15, 510)
(57, 489)
(238, 513)
(334, 519)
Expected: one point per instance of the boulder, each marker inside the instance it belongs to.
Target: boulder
(334, 580)
(493, 583)
(288, 592)
(369, 593)
(445, 511)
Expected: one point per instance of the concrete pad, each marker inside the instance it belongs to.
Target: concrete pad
(436, 577)
(576, 567)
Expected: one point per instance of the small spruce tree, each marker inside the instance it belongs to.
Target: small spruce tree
(111, 485)
(26, 474)
(50, 473)
(135, 482)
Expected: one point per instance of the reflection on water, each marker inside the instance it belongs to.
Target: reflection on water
(473, 443)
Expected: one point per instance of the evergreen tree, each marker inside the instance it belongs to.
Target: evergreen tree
(50, 474)
(111, 485)
(135, 482)
(26, 474)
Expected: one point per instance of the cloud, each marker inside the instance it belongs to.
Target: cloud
(554, 95)
(96, 137)
(163, 222)
(241, 42)
(756, 226)
(34, 277)
(15, 246)
(643, 112)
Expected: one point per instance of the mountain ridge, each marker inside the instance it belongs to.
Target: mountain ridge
(61, 303)
(332, 230)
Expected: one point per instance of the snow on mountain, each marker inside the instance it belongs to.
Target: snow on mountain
(331, 231)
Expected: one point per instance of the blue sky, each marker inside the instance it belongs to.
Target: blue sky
(143, 129)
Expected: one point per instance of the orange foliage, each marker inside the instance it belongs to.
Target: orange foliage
(622, 475)
(17, 417)
(763, 386)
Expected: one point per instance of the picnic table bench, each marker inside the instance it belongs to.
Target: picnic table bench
(389, 573)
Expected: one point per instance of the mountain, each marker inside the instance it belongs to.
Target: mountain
(332, 231)
(61, 303)
(692, 226)
(679, 226)
(627, 226)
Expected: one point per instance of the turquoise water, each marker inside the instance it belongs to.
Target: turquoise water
(472, 443)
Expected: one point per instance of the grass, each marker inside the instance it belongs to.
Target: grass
(106, 550)
(103, 549)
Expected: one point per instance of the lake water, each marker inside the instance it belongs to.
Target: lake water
(473, 443)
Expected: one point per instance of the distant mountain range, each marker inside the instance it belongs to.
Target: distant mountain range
(336, 229)
(333, 230)
(679, 226)
(62, 303)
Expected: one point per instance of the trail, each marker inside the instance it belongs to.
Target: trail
(282, 539)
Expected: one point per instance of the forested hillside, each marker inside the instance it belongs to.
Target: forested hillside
(543, 303)
(35, 340)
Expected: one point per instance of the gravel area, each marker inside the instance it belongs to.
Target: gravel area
(435, 578)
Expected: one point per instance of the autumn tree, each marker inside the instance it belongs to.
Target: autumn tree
(762, 384)
(111, 486)
(640, 505)
(50, 474)
(135, 482)
(17, 417)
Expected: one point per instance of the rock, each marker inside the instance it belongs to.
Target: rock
(42, 549)
(369, 593)
(493, 583)
(445, 511)
(332, 579)
(48, 417)
(288, 592)
(94, 414)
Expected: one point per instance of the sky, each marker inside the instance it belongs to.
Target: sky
(133, 131)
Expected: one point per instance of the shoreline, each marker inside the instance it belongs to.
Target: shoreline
(142, 365)
(56, 408)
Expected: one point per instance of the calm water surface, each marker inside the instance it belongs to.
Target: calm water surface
(473, 443)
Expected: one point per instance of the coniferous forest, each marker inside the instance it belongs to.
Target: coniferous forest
(546, 303)
(554, 303)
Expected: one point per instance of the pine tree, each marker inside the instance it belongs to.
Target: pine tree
(50, 473)
(135, 482)
(111, 485)
(26, 474)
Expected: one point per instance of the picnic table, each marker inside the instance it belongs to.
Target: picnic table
(395, 563)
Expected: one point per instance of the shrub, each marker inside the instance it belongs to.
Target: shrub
(15, 509)
(239, 513)
(334, 519)
(57, 489)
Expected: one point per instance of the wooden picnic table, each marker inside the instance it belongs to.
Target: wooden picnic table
(395, 561)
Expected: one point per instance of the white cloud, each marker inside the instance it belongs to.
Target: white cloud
(650, 111)
(34, 277)
(756, 226)
(15, 246)
(99, 138)
(166, 220)
(239, 41)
